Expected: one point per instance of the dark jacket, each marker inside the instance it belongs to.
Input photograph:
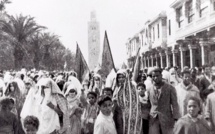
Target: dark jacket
(164, 107)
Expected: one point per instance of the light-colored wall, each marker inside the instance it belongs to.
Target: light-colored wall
(171, 15)
(199, 23)
(156, 42)
(93, 44)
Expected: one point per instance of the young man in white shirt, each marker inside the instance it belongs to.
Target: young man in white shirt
(104, 122)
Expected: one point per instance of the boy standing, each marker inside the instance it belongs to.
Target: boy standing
(117, 111)
(145, 106)
(104, 123)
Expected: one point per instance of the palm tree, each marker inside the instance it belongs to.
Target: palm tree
(18, 31)
(3, 3)
(35, 49)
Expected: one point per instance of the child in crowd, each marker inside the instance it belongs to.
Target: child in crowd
(74, 108)
(145, 106)
(192, 122)
(104, 123)
(90, 111)
(117, 111)
(8, 120)
(31, 125)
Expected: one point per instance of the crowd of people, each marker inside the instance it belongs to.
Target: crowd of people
(159, 101)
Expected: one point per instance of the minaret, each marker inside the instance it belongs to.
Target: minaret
(93, 42)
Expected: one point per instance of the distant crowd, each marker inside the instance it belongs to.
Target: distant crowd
(156, 101)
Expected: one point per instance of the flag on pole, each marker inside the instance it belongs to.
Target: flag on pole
(81, 67)
(107, 63)
(136, 67)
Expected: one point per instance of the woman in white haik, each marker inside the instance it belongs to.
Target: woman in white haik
(104, 122)
(50, 107)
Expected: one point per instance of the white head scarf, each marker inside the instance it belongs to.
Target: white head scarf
(71, 86)
(54, 96)
(174, 79)
(73, 80)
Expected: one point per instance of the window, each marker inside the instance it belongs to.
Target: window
(93, 28)
(179, 12)
(179, 18)
(169, 27)
(203, 11)
(158, 31)
(190, 12)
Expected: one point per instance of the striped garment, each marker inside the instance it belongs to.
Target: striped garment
(62, 103)
(127, 98)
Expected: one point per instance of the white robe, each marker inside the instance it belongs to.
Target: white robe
(49, 119)
(104, 124)
(183, 93)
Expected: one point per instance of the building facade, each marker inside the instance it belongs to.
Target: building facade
(183, 35)
(93, 42)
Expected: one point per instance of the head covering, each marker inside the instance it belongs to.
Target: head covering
(49, 83)
(41, 74)
(121, 71)
(73, 80)
(97, 75)
(20, 83)
(71, 86)
(116, 84)
(8, 77)
(18, 75)
(59, 97)
(96, 86)
(2, 85)
(166, 75)
(29, 106)
(174, 79)
(29, 80)
(131, 112)
(59, 78)
(16, 93)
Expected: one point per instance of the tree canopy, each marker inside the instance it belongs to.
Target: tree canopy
(24, 43)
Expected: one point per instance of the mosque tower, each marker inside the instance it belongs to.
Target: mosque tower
(93, 42)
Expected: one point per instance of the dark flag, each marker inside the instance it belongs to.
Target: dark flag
(81, 67)
(107, 63)
(136, 67)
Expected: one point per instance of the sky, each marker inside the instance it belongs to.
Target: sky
(69, 19)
